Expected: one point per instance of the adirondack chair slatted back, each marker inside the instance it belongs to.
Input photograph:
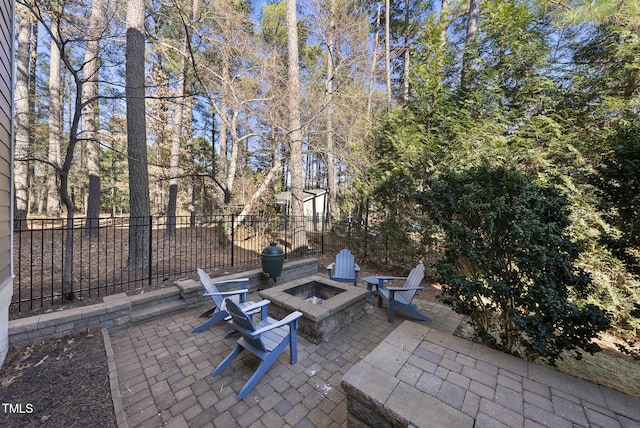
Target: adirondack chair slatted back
(413, 280)
(210, 286)
(345, 263)
(244, 324)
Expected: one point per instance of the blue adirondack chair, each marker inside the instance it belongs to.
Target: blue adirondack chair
(218, 312)
(400, 298)
(345, 268)
(266, 340)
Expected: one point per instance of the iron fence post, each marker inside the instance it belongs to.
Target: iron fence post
(233, 240)
(150, 246)
(366, 230)
(324, 220)
(287, 219)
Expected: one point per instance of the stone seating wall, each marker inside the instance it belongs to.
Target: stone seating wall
(120, 310)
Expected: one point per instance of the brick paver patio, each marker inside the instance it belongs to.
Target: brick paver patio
(164, 376)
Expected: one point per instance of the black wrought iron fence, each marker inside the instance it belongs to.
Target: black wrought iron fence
(100, 254)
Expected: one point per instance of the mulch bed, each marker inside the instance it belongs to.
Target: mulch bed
(57, 383)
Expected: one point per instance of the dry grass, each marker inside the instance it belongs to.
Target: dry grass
(609, 368)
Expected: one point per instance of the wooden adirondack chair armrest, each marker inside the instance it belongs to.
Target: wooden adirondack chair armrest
(243, 281)
(403, 288)
(284, 321)
(357, 268)
(256, 305)
(331, 266)
(383, 279)
(390, 278)
(227, 293)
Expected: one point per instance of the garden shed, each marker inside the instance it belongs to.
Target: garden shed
(315, 202)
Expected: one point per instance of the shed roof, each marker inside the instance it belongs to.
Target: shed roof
(283, 198)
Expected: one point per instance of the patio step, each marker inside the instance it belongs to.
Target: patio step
(160, 302)
(151, 311)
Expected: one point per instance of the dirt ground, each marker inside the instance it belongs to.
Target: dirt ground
(65, 382)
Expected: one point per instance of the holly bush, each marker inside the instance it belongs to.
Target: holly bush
(508, 263)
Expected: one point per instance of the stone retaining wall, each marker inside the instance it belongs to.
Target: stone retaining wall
(397, 384)
(120, 309)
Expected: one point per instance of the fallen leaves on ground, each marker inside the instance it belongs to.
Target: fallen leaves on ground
(61, 382)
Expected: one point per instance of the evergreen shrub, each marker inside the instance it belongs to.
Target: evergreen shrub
(508, 263)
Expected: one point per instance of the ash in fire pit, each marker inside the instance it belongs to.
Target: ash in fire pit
(326, 305)
(314, 292)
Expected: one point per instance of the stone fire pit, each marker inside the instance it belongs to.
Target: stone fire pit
(326, 305)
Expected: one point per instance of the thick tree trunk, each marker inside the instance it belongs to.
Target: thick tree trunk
(331, 164)
(374, 62)
(387, 50)
(90, 114)
(190, 187)
(53, 192)
(33, 61)
(469, 42)
(228, 127)
(174, 165)
(407, 53)
(235, 152)
(22, 130)
(223, 134)
(179, 128)
(444, 20)
(295, 130)
(139, 204)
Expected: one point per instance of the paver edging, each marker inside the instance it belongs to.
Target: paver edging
(118, 405)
